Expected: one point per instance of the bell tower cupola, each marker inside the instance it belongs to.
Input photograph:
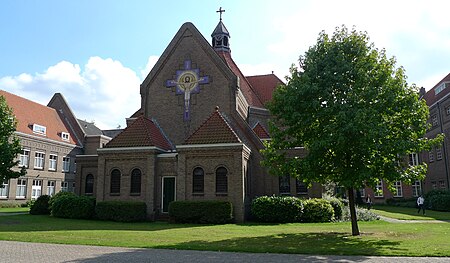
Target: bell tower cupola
(220, 36)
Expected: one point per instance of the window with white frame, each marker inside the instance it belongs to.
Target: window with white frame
(413, 159)
(39, 129)
(65, 136)
(362, 192)
(284, 185)
(51, 188)
(447, 110)
(431, 156)
(441, 87)
(442, 184)
(434, 120)
(53, 159)
(66, 164)
(64, 186)
(39, 160)
(36, 189)
(24, 158)
(438, 153)
(379, 189)
(398, 189)
(433, 185)
(416, 188)
(300, 187)
(21, 189)
(4, 189)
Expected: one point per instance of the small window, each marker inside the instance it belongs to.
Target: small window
(416, 188)
(4, 189)
(431, 156)
(21, 190)
(39, 160)
(221, 180)
(442, 184)
(39, 129)
(65, 136)
(362, 192)
(89, 184)
(440, 88)
(434, 120)
(413, 159)
(438, 153)
(115, 182)
(398, 189)
(24, 158)
(301, 187)
(136, 176)
(447, 110)
(433, 185)
(284, 186)
(66, 164)
(379, 189)
(198, 180)
(64, 186)
(51, 188)
(52, 162)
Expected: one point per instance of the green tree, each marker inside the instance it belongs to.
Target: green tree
(353, 112)
(9, 144)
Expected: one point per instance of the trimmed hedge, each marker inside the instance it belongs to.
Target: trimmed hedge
(317, 210)
(277, 209)
(41, 206)
(72, 206)
(57, 196)
(403, 202)
(201, 212)
(122, 211)
(337, 205)
(440, 202)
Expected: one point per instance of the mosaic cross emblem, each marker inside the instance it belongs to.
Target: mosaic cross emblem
(187, 82)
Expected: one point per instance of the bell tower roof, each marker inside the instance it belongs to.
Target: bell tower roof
(220, 35)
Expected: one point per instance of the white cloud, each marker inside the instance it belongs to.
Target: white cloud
(150, 63)
(103, 91)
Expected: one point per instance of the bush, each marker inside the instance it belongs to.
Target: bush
(362, 214)
(440, 202)
(41, 206)
(122, 211)
(404, 202)
(72, 206)
(57, 196)
(10, 205)
(337, 205)
(317, 210)
(277, 209)
(203, 212)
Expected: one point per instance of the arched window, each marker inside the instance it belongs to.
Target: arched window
(198, 182)
(221, 180)
(115, 182)
(135, 188)
(89, 186)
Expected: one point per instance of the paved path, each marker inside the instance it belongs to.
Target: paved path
(12, 251)
(393, 220)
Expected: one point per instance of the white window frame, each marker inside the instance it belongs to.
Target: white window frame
(433, 185)
(24, 158)
(362, 192)
(21, 190)
(416, 188)
(438, 153)
(66, 164)
(39, 158)
(398, 189)
(52, 162)
(431, 156)
(4, 190)
(36, 189)
(65, 136)
(64, 186)
(434, 120)
(51, 188)
(39, 129)
(441, 184)
(379, 189)
(413, 159)
(447, 110)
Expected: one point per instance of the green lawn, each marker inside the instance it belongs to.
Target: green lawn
(378, 238)
(14, 210)
(405, 213)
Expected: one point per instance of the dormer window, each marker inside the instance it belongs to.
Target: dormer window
(39, 129)
(441, 87)
(65, 136)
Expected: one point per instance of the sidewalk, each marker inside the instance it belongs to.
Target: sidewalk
(19, 252)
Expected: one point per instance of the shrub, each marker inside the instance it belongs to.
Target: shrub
(317, 210)
(72, 206)
(122, 211)
(440, 202)
(10, 205)
(362, 214)
(277, 209)
(436, 192)
(337, 205)
(57, 196)
(203, 212)
(404, 202)
(40, 206)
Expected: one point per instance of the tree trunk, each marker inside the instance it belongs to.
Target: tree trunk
(351, 205)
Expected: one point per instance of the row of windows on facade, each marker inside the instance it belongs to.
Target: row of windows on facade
(438, 154)
(36, 188)
(284, 184)
(398, 189)
(39, 161)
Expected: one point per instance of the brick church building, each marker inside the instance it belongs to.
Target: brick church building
(196, 135)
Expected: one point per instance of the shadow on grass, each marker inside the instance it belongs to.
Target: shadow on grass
(303, 243)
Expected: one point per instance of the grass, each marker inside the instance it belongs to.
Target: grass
(14, 209)
(406, 213)
(378, 237)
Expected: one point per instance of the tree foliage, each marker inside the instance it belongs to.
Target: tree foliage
(352, 110)
(9, 144)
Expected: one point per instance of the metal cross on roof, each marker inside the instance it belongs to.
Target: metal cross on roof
(220, 11)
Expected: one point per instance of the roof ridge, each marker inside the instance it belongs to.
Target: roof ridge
(172, 146)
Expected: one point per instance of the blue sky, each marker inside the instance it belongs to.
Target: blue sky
(96, 53)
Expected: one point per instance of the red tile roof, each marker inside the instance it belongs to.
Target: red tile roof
(28, 113)
(264, 86)
(249, 94)
(430, 96)
(261, 131)
(142, 132)
(214, 130)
